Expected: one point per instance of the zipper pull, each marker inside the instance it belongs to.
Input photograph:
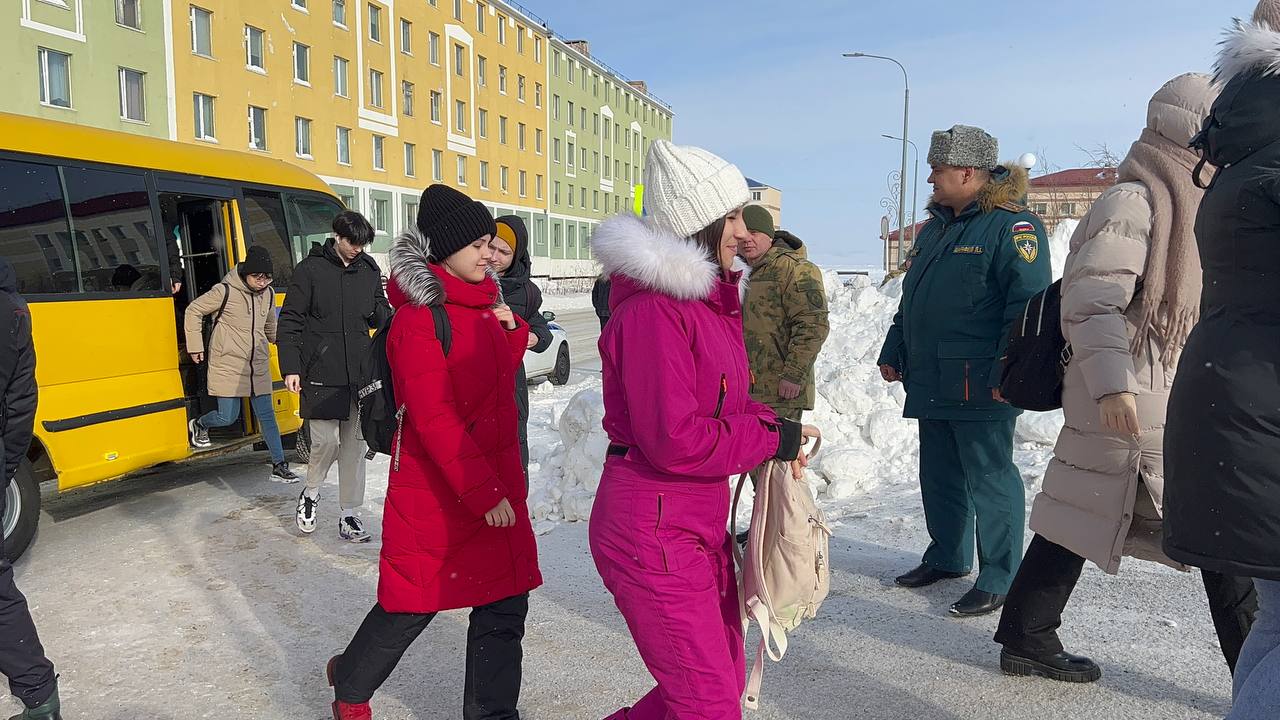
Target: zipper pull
(399, 438)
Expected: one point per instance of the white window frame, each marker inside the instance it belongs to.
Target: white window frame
(410, 160)
(537, 141)
(379, 148)
(202, 115)
(406, 37)
(537, 95)
(379, 214)
(459, 59)
(408, 98)
(537, 186)
(504, 178)
(519, 39)
(437, 165)
(194, 44)
(375, 23)
(520, 87)
(437, 99)
(502, 129)
(299, 124)
(433, 49)
(502, 79)
(300, 5)
(124, 95)
(137, 12)
(502, 30)
(460, 116)
(482, 122)
(484, 174)
(481, 9)
(482, 69)
(306, 64)
(343, 140)
(46, 93)
(341, 71)
(462, 170)
(522, 184)
(261, 66)
(340, 15)
(521, 136)
(376, 97)
(258, 130)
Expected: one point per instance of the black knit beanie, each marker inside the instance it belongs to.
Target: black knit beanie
(451, 220)
(256, 260)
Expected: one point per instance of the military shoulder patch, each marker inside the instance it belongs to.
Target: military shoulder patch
(1023, 227)
(1028, 246)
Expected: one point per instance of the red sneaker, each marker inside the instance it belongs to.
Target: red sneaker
(342, 710)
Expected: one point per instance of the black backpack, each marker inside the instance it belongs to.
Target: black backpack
(1036, 354)
(380, 415)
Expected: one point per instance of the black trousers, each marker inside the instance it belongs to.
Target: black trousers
(494, 656)
(22, 660)
(1049, 572)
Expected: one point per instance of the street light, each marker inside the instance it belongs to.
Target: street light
(915, 188)
(906, 113)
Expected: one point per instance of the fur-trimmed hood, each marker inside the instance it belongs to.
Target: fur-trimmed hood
(653, 258)
(1248, 47)
(415, 281)
(1005, 188)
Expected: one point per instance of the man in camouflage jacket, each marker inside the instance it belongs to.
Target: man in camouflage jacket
(784, 316)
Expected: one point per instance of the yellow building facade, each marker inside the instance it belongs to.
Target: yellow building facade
(379, 98)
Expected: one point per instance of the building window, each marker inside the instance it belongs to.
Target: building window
(504, 177)
(410, 213)
(555, 108)
(537, 140)
(595, 200)
(253, 48)
(520, 133)
(462, 169)
(300, 4)
(595, 90)
(482, 123)
(379, 158)
(204, 117)
(571, 196)
(410, 160)
(555, 192)
(481, 8)
(756, 195)
(460, 116)
(375, 88)
(340, 12)
(520, 39)
(572, 156)
(302, 128)
(375, 23)
(257, 128)
(435, 106)
(583, 162)
(433, 49)
(1041, 209)
(555, 150)
(583, 123)
(339, 76)
(607, 125)
(459, 58)
(132, 95)
(201, 31)
(524, 184)
(520, 88)
(537, 95)
(437, 165)
(1068, 209)
(380, 218)
(344, 146)
(406, 37)
(502, 129)
(484, 174)
(129, 14)
(537, 49)
(457, 10)
(502, 79)
(302, 63)
(555, 62)
(482, 67)
(537, 186)
(572, 67)
(502, 29)
(572, 114)
(595, 161)
(406, 92)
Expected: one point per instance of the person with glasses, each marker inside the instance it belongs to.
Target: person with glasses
(242, 312)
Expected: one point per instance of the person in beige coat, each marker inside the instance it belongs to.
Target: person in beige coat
(243, 310)
(1130, 295)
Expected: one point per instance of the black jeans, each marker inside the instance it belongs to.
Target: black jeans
(31, 676)
(494, 656)
(1049, 572)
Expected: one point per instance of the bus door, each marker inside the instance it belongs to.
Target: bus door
(196, 221)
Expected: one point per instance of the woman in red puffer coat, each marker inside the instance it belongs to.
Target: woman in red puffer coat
(456, 530)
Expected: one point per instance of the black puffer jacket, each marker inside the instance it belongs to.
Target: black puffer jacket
(17, 374)
(525, 299)
(1222, 440)
(323, 333)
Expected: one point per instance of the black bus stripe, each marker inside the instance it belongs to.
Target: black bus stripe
(107, 416)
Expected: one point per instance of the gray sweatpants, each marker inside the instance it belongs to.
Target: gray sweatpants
(339, 440)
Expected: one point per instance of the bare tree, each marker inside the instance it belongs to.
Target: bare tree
(1101, 156)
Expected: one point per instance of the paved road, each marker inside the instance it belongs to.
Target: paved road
(584, 330)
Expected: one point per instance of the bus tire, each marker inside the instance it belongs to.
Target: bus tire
(22, 512)
(302, 445)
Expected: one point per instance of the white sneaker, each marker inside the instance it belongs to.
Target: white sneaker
(351, 529)
(306, 514)
(199, 434)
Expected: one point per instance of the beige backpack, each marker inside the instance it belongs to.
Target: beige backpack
(784, 576)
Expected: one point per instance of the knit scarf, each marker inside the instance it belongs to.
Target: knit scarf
(1172, 282)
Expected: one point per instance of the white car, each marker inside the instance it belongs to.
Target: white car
(553, 363)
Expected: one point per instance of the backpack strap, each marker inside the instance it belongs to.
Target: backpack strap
(221, 309)
(444, 331)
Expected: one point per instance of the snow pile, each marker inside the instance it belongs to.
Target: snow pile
(1060, 245)
(563, 303)
(870, 452)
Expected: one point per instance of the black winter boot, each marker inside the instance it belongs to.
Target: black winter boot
(51, 709)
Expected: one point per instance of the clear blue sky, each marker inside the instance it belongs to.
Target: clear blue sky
(762, 83)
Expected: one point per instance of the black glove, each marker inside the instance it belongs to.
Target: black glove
(791, 441)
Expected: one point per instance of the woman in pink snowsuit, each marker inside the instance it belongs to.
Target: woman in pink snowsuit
(680, 422)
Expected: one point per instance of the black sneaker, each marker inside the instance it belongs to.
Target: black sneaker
(351, 529)
(280, 472)
(306, 514)
(199, 435)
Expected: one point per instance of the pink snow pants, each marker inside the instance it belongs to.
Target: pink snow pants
(662, 549)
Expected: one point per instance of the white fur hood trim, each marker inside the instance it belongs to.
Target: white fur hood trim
(653, 257)
(1248, 47)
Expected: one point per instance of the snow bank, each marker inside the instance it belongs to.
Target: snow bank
(571, 301)
(870, 453)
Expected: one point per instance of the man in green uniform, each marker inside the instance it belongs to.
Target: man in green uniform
(784, 316)
(976, 263)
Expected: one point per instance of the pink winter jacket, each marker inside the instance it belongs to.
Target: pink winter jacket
(676, 378)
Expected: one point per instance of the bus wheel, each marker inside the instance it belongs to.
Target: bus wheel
(302, 445)
(21, 512)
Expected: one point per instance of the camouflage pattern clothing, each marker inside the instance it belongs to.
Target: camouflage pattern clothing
(784, 318)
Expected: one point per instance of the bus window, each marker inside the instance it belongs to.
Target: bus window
(310, 222)
(33, 226)
(263, 216)
(115, 239)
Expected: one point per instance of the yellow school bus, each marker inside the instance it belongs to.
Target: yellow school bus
(112, 236)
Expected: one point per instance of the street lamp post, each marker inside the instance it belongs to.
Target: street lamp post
(906, 113)
(915, 188)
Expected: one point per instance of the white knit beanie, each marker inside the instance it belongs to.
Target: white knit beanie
(1268, 11)
(686, 188)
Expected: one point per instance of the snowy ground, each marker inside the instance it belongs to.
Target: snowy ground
(189, 594)
(571, 301)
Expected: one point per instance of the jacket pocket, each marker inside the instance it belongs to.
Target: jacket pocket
(964, 367)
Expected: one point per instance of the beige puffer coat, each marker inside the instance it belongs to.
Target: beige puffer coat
(1103, 492)
(239, 361)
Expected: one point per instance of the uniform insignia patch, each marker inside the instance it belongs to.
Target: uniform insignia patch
(968, 250)
(1023, 227)
(1028, 246)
